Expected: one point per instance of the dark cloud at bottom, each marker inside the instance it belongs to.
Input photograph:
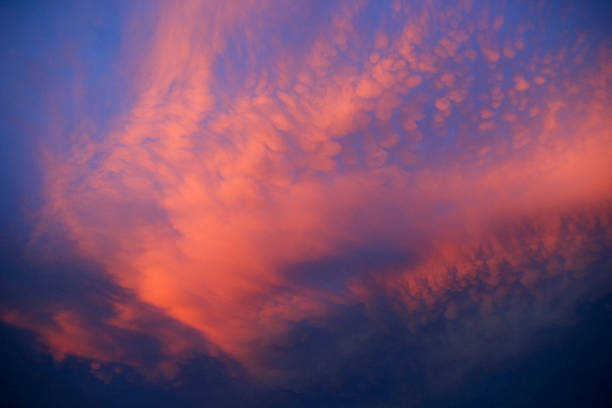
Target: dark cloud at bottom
(357, 355)
(562, 366)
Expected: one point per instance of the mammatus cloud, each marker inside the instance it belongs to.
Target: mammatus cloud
(465, 154)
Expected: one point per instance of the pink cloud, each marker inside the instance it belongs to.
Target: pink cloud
(322, 154)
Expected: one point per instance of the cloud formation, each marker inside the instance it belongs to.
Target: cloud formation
(281, 163)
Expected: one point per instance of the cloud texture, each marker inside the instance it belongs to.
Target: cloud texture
(277, 168)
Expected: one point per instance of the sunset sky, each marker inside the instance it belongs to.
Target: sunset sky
(256, 203)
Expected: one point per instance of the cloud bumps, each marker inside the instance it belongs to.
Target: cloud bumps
(284, 167)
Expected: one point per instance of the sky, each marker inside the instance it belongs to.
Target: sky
(317, 203)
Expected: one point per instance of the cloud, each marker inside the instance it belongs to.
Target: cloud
(397, 160)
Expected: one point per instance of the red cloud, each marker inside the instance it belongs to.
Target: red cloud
(201, 201)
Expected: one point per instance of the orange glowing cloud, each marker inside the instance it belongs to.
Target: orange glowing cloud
(202, 199)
